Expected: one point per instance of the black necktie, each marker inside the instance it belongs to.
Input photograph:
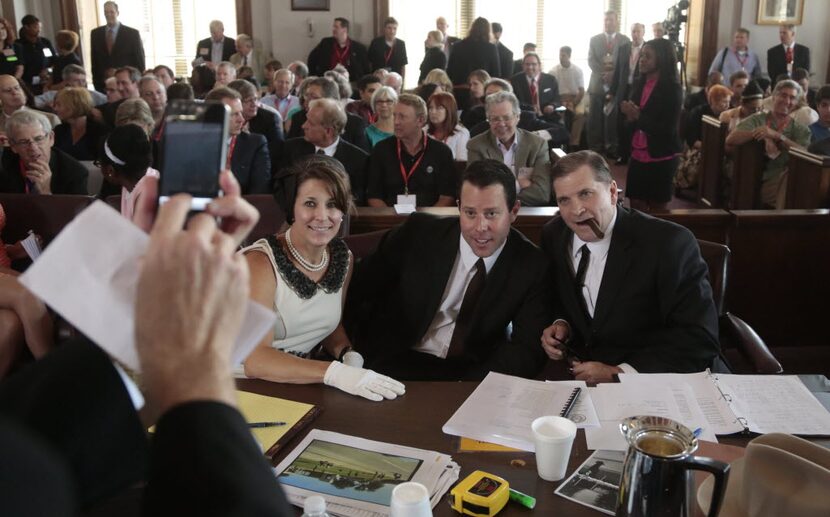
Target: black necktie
(468, 306)
(320, 151)
(582, 269)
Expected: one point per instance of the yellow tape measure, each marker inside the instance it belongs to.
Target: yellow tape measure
(480, 494)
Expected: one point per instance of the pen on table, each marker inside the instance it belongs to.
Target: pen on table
(260, 425)
(571, 402)
(697, 432)
(525, 500)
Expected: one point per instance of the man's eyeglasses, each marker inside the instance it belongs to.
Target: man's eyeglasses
(505, 119)
(25, 143)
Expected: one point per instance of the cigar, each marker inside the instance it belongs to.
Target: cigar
(594, 228)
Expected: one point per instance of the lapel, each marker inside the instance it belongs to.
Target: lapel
(437, 275)
(565, 283)
(499, 273)
(523, 149)
(616, 267)
(493, 149)
(523, 89)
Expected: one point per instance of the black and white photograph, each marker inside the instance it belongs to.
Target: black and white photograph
(774, 12)
(596, 482)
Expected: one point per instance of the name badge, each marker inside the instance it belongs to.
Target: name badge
(8, 51)
(546, 90)
(47, 52)
(203, 51)
(407, 200)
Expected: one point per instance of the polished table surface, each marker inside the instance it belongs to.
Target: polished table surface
(415, 420)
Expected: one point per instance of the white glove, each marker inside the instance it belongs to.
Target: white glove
(365, 383)
(353, 358)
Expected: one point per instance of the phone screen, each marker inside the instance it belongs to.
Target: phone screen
(193, 151)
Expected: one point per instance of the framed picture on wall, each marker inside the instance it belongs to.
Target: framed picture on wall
(309, 5)
(776, 12)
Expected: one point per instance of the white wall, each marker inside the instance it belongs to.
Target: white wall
(286, 32)
(812, 33)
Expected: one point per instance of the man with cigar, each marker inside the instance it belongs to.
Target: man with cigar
(633, 288)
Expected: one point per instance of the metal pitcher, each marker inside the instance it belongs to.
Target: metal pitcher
(657, 477)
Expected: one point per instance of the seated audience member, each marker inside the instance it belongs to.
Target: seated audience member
(344, 88)
(383, 105)
(802, 113)
(571, 81)
(225, 73)
(476, 80)
(474, 52)
(265, 122)
(126, 80)
(13, 98)
(247, 55)
(443, 124)
(443, 292)
(281, 99)
(136, 111)
(248, 156)
(111, 89)
(779, 133)
(718, 101)
(366, 87)
(536, 88)
(180, 91)
(67, 43)
(525, 153)
(325, 88)
(125, 160)
(74, 76)
(32, 166)
(202, 79)
(79, 133)
(477, 116)
(802, 77)
(640, 299)
(165, 74)
(434, 56)
(93, 443)
(699, 98)
(268, 72)
(11, 60)
(820, 129)
(303, 275)
(387, 51)
(154, 93)
(738, 83)
(440, 78)
(321, 135)
(751, 98)
(426, 90)
(300, 71)
(410, 163)
(394, 81)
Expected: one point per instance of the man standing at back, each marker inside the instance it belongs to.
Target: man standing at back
(339, 49)
(505, 54)
(113, 46)
(738, 57)
(789, 55)
(215, 49)
(443, 292)
(633, 288)
(602, 54)
(387, 51)
(625, 70)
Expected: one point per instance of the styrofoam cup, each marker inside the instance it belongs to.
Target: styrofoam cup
(410, 499)
(553, 437)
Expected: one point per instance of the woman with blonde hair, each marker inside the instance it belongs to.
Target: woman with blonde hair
(440, 78)
(434, 56)
(78, 133)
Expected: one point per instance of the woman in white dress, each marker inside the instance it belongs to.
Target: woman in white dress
(443, 124)
(303, 275)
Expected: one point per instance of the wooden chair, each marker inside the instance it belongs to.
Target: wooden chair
(808, 180)
(742, 347)
(712, 155)
(45, 215)
(364, 244)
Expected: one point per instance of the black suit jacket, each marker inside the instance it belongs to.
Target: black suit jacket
(548, 89)
(622, 68)
(319, 60)
(505, 60)
(269, 125)
(377, 55)
(354, 132)
(251, 164)
(69, 176)
(83, 441)
(433, 58)
(228, 49)
(354, 159)
(654, 309)
(126, 51)
(777, 60)
(468, 55)
(660, 116)
(397, 290)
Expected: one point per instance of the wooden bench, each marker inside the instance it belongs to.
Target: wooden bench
(45, 215)
(712, 155)
(747, 170)
(808, 180)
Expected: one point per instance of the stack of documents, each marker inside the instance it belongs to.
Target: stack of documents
(356, 476)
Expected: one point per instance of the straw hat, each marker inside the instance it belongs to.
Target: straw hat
(779, 475)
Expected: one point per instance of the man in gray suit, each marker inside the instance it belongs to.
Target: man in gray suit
(525, 153)
(602, 54)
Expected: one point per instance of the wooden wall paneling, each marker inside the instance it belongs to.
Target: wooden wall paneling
(244, 19)
(747, 168)
(381, 14)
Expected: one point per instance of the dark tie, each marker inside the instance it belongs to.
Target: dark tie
(245, 61)
(581, 271)
(463, 322)
(789, 55)
(534, 94)
(320, 151)
(110, 40)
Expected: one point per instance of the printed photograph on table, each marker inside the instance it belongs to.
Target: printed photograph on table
(350, 472)
(596, 482)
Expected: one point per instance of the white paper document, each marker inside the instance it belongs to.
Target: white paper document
(31, 246)
(89, 273)
(356, 476)
(502, 407)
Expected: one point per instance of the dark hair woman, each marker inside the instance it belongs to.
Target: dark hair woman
(472, 53)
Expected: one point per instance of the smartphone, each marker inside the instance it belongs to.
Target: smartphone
(193, 151)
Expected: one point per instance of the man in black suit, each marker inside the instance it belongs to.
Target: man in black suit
(126, 80)
(387, 51)
(436, 300)
(339, 49)
(114, 45)
(634, 291)
(69, 424)
(505, 54)
(215, 49)
(517, 64)
(248, 156)
(789, 55)
(442, 26)
(324, 124)
(325, 88)
(258, 119)
(625, 69)
(47, 170)
(536, 88)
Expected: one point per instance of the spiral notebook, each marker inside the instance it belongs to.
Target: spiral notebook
(502, 407)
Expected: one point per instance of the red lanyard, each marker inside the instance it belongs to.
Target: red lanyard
(231, 147)
(404, 174)
(340, 55)
(389, 53)
(742, 61)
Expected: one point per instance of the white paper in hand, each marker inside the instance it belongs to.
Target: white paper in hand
(89, 273)
(31, 246)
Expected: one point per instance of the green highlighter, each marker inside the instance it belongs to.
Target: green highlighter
(523, 499)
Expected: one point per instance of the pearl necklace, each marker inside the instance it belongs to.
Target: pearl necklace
(302, 260)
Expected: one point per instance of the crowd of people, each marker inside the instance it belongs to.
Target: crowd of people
(611, 290)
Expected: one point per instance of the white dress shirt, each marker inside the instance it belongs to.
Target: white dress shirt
(217, 49)
(509, 156)
(570, 79)
(330, 150)
(436, 341)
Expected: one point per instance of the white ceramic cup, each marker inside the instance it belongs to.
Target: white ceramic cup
(410, 499)
(553, 437)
